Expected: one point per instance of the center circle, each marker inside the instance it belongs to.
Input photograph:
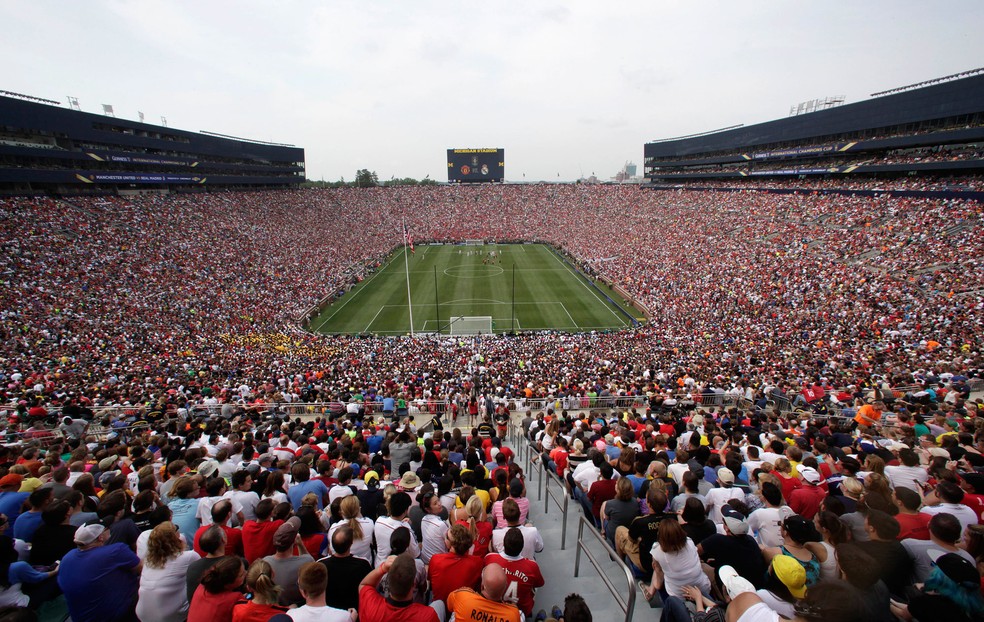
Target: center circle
(473, 272)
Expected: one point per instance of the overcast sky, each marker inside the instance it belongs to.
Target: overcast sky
(565, 88)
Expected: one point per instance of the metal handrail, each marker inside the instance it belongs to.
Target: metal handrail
(628, 606)
(561, 505)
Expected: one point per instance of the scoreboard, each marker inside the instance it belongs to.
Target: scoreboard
(476, 165)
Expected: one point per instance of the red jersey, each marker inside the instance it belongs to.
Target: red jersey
(374, 608)
(234, 540)
(913, 526)
(976, 503)
(450, 571)
(524, 577)
(559, 456)
(258, 539)
(805, 500)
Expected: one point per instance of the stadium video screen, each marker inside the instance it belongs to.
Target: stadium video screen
(476, 165)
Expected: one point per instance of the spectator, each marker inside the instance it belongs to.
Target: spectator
(288, 557)
(312, 580)
(86, 573)
(345, 571)
(263, 594)
(163, 592)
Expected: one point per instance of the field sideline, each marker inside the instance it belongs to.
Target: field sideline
(550, 294)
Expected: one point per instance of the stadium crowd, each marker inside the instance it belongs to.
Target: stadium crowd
(180, 307)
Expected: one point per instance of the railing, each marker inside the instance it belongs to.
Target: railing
(626, 605)
(548, 476)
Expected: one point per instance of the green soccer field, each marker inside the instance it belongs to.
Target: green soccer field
(549, 293)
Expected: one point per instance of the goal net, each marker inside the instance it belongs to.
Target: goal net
(471, 325)
(474, 242)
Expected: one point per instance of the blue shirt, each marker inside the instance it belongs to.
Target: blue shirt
(389, 404)
(23, 572)
(297, 491)
(10, 506)
(27, 523)
(183, 515)
(98, 584)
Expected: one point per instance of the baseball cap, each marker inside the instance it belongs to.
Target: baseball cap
(208, 468)
(735, 520)
(371, 478)
(11, 479)
(87, 534)
(733, 582)
(726, 476)
(791, 573)
(286, 533)
(108, 463)
(810, 475)
(956, 568)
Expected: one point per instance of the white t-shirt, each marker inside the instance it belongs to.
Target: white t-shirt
(247, 500)
(361, 547)
(385, 526)
(339, 492)
(318, 614)
(717, 498)
(204, 513)
(677, 471)
(766, 524)
(163, 593)
(432, 530)
(681, 568)
(906, 477)
(532, 540)
(961, 512)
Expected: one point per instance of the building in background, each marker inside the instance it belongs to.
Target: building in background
(45, 148)
(933, 130)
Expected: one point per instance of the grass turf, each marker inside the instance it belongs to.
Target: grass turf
(550, 294)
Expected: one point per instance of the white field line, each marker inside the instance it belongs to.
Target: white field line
(593, 293)
(349, 299)
(374, 318)
(564, 307)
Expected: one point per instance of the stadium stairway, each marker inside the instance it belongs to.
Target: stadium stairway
(557, 565)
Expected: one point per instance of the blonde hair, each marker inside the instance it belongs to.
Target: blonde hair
(310, 499)
(350, 508)
(164, 545)
(259, 580)
(783, 465)
(475, 509)
(852, 486)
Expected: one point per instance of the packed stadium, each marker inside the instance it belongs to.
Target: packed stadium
(747, 384)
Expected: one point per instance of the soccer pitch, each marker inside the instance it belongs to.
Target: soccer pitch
(452, 281)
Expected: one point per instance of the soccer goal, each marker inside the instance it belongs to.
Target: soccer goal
(471, 325)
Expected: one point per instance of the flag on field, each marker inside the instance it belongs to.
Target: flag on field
(407, 238)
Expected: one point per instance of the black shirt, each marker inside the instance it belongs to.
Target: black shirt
(51, 543)
(344, 576)
(740, 552)
(698, 532)
(646, 530)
